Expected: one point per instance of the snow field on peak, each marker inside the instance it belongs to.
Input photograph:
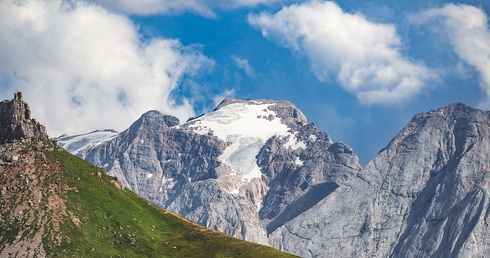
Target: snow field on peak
(246, 127)
(74, 144)
(240, 120)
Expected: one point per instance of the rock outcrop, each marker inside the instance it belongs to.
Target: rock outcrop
(16, 123)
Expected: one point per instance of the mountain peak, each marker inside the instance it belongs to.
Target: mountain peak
(153, 119)
(452, 114)
(455, 118)
(16, 123)
(245, 126)
(153, 116)
(285, 110)
(456, 109)
(229, 101)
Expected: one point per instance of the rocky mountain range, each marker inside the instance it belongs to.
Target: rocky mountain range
(53, 204)
(257, 170)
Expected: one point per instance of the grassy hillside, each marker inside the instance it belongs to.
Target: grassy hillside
(57, 205)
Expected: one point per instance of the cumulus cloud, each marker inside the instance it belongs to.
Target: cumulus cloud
(83, 68)
(203, 7)
(364, 57)
(466, 29)
(243, 64)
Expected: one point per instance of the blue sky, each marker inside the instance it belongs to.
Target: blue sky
(359, 70)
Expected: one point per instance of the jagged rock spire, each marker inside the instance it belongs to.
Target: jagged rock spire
(16, 123)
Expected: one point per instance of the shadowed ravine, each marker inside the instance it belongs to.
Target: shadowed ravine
(302, 204)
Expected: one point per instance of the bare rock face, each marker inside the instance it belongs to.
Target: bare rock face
(432, 186)
(425, 195)
(16, 123)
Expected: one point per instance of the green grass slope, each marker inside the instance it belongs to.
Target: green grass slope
(66, 207)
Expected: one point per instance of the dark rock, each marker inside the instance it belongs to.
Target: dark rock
(16, 123)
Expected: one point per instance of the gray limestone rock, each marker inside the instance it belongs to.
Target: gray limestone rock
(16, 123)
(425, 195)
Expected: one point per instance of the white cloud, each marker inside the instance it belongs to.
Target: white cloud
(466, 29)
(226, 94)
(83, 68)
(243, 64)
(203, 7)
(364, 57)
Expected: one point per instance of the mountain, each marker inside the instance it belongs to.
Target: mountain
(245, 169)
(425, 195)
(76, 143)
(55, 204)
(255, 169)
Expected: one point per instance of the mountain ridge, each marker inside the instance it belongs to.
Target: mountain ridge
(181, 167)
(306, 186)
(55, 204)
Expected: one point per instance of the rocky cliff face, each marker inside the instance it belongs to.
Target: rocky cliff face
(17, 127)
(16, 123)
(425, 195)
(257, 170)
(432, 186)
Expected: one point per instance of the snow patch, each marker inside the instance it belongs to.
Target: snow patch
(235, 191)
(254, 173)
(246, 127)
(312, 138)
(298, 162)
(240, 157)
(242, 120)
(149, 175)
(168, 183)
(76, 143)
(294, 144)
